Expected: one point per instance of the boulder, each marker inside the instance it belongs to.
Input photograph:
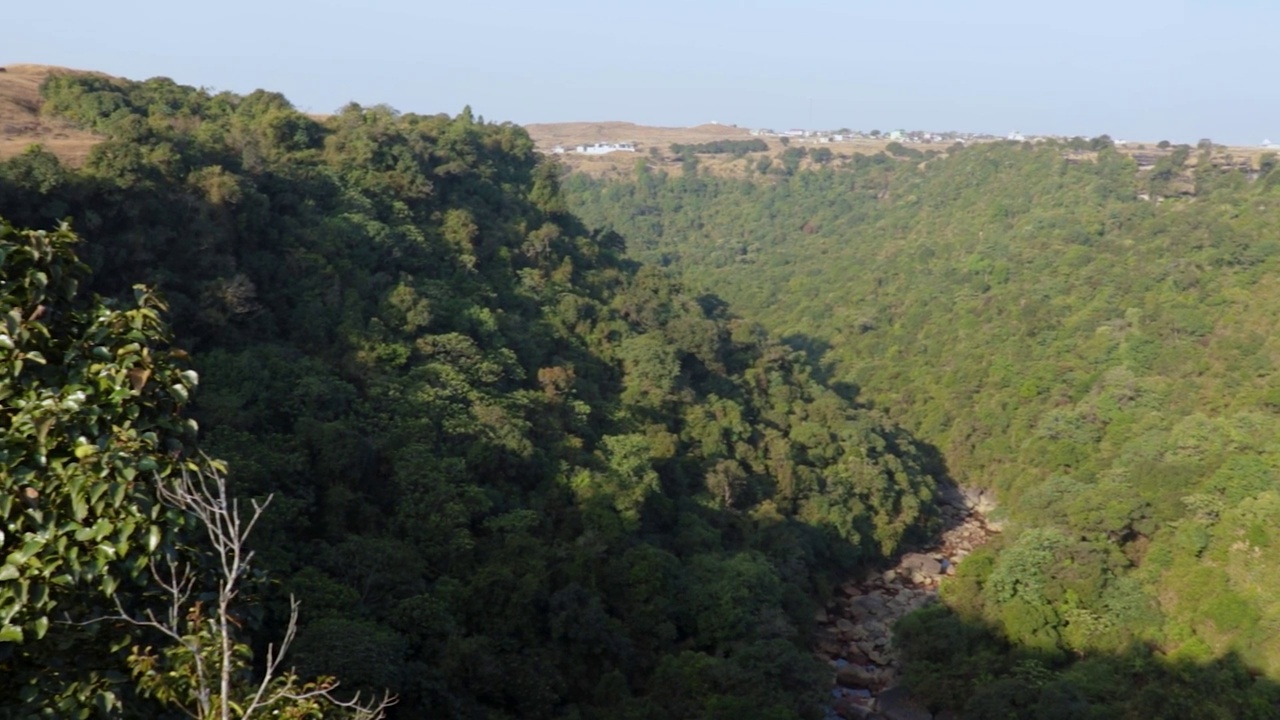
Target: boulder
(858, 676)
(979, 501)
(878, 655)
(876, 630)
(855, 656)
(921, 565)
(827, 645)
(851, 709)
(896, 704)
(864, 605)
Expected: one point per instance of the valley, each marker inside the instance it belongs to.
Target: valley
(1082, 335)
(735, 428)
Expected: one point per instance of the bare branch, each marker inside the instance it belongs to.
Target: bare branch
(204, 496)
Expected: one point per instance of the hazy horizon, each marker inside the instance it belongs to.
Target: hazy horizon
(1145, 71)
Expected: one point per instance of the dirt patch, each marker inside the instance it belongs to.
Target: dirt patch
(21, 124)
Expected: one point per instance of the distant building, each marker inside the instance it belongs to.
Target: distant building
(601, 148)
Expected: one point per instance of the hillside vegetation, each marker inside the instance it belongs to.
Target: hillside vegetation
(1094, 342)
(514, 473)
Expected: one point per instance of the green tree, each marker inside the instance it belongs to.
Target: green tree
(98, 501)
(92, 396)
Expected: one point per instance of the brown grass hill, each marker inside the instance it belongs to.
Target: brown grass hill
(23, 125)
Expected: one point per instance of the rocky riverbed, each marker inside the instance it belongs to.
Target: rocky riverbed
(854, 634)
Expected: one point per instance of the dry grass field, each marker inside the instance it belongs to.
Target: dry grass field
(548, 135)
(21, 124)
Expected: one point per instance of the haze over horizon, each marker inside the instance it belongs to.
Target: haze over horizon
(1142, 70)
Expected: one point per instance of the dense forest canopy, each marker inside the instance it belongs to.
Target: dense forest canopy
(1093, 341)
(514, 473)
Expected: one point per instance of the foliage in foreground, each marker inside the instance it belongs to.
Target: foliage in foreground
(98, 503)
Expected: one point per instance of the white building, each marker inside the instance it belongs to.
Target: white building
(601, 148)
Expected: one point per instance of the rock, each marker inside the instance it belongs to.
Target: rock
(851, 709)
(875, 629)
(820, 616)
(878, 656)
(979, 500)
(827, 645)
(864, 605)
(858, 676)
(855, 656)
(889, 575)
(845, 627)
(896, 704)
(921, 564)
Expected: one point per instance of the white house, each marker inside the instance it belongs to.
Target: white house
(601, 148)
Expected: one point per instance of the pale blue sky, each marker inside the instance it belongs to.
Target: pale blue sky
(1137, 69)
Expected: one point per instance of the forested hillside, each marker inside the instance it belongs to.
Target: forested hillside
(514, 473)
(1095, 342)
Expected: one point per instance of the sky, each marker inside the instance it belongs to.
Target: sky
(1143, 70)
